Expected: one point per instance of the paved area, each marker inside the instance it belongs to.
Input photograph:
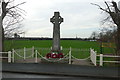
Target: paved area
(62, 70)
(74, 61)
(27, 60)
(82, 62)
(22, 76)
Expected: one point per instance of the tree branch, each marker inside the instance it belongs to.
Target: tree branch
(108, 7)
(115, 6)
(16, 5)
(100, 7)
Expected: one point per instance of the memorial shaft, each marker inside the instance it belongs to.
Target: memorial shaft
(56, 20)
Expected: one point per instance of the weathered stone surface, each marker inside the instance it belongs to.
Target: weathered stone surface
(1, 35)
(56, 20)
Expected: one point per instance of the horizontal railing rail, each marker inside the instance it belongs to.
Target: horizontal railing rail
(9, 56)
(93, 58)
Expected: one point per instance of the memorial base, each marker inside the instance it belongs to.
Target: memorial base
(52, 60)
(54, 55)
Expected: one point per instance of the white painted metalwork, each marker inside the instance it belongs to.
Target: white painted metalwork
(9, 56)
(70, 56)
(102, 61)
(24, 53)
(93, 56)
(36, 52)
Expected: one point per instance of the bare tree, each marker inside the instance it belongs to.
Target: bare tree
(9, 31)
(94, 35)
(10, 15)
(108, 35)
(114, 14)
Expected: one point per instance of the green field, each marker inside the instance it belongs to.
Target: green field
(18, 44)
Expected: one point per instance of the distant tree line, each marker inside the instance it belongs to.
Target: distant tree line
(105, 35)
(37, 38)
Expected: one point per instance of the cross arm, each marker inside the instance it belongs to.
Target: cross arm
(52, 19)
(60, 19)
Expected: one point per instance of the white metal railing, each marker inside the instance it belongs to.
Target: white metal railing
(56, 60)
(70, 56)
(93, 56)
(36, 52)
(14, 52)
(102, 57)
(9, 56)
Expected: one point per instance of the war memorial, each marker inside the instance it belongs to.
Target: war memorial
(35, 68)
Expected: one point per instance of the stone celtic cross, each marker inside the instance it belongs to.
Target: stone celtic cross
(56, 20)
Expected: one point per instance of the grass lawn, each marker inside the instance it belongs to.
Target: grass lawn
(77, 44)
(18, 44)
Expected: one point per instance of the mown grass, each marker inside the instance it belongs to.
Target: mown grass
(20, 44)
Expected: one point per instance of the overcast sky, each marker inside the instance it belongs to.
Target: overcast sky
(80, 17)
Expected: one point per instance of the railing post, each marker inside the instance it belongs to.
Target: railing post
(51, 48)
(70, 56)
(36, 56)
(24, 53)
(33, 51)
(101, 59)
(13, 53)
(90, 54)
(61, 48)
(95, 60)
(9, 56)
